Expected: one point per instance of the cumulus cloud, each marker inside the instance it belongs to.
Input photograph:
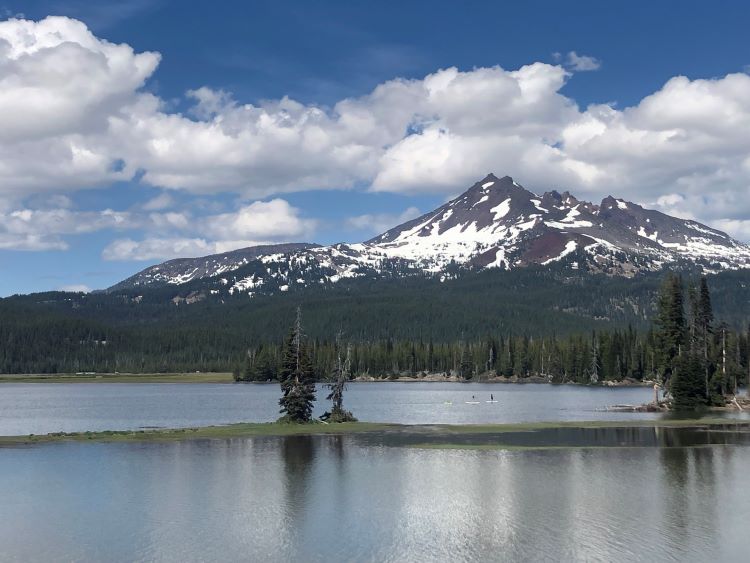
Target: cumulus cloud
(255, 223)
(266, 220)
(159, 202)
(78, 117)
(581, 63)
(739, 228)
(375, 223)
(165, 248)
(59, 88)
(43, 229)
(151, 249)
(75, 288)
(261, 222)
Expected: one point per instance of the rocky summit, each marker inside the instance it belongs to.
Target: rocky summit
(496, 223)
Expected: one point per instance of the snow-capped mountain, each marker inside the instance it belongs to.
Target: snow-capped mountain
(183, 270)
(496, 223)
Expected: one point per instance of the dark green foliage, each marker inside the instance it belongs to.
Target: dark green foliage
(687, 386)
(296, 377)
(465, 365)
(707, 366)
(260, 365)
(705, 313)
(670, 323)
(518, 323)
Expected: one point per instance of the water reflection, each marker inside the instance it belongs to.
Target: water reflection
(606, 437)
(298, 456)
(354, 498)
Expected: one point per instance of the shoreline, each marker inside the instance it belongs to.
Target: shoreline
(276, 429)
(182, 377)
(502, 380)
(227, 378)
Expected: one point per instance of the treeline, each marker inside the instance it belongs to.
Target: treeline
(565, 327)
(594, 358)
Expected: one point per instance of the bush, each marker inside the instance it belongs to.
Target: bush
(338, 416)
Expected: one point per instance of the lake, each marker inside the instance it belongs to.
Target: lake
(604, 494)
(358, 498)
(41, 408)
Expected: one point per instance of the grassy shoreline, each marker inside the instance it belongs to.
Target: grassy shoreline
(246, 430)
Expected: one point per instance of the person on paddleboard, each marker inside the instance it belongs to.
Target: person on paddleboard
(492, 397)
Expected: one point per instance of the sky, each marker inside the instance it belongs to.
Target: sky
(134, 132)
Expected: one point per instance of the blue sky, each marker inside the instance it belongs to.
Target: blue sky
(153, 129)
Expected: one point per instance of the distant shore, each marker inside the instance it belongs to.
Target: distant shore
(185, 377)
(448, 433)
(535, 379)
(226, 377)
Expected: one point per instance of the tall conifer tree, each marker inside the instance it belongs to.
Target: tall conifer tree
(670, 321)
(296, 377)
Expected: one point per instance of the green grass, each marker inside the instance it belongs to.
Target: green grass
(120, 378)
(244, 430)
(241, 430)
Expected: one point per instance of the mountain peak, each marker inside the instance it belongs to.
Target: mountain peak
(491, 178)
(496, 223)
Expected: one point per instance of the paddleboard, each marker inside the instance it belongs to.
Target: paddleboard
(490, 401)
(472, 402)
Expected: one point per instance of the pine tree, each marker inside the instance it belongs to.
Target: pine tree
(262, 368)
(704, 317)
(670, 322)
(687, 385)
(297, 377)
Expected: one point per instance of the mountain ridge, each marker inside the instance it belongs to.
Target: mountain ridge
(496, 223)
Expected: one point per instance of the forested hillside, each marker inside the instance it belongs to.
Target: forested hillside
(392, 323)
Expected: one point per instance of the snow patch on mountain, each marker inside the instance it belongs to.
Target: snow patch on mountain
(496, 223)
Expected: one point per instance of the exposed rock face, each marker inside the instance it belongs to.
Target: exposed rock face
(496, 223)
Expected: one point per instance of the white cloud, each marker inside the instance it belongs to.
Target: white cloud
(76, 117)
(159, 202)
(151, 249)
(31, 242)
(59, 88)
(738, 228)
(168, 221)
(376, 223)
(254, 223)
(669, 200)
(266, 220)
(261, 222)
(75, 288)
(42, 229)
(581, 63)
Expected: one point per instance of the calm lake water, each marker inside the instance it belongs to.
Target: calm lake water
(667, 495)
(364, 498)
(40, 408)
